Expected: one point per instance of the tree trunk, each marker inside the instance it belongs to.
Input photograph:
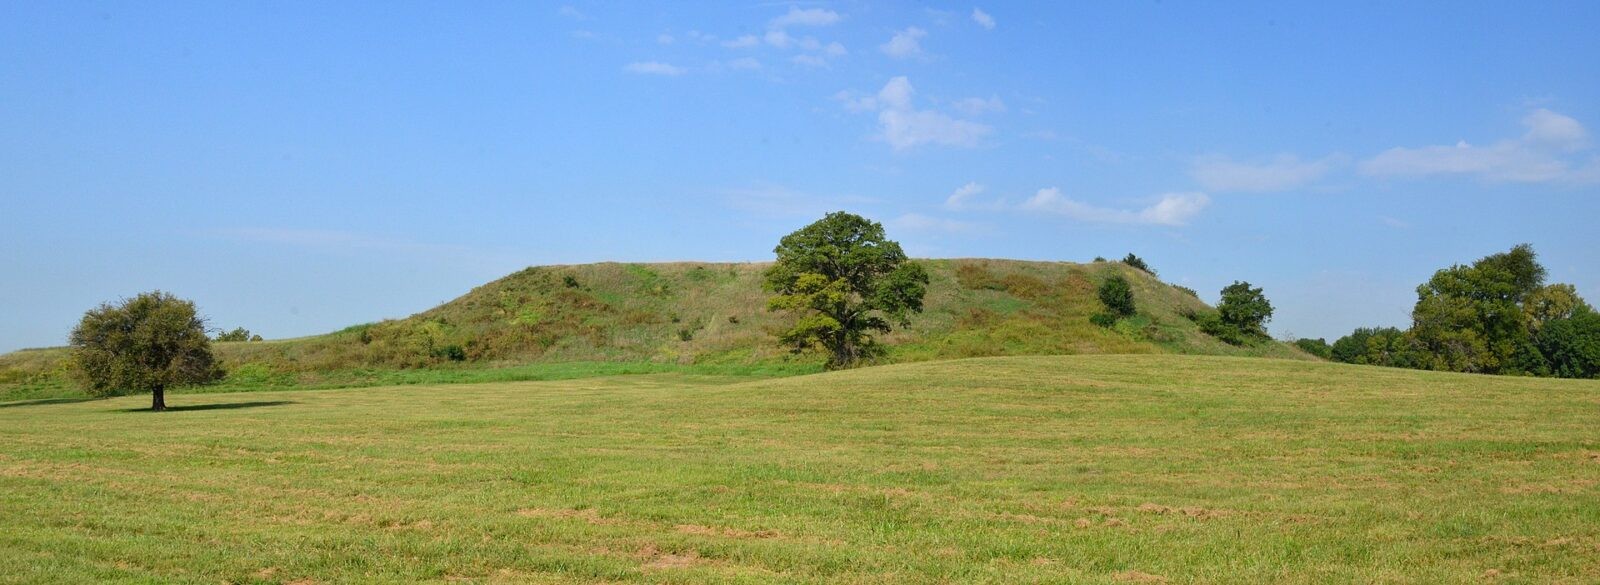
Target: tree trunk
(158, 399)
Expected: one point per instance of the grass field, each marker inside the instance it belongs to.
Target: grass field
(1081, 469)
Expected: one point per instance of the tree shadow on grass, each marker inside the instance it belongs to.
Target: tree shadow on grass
(218, 406)
(44, 401)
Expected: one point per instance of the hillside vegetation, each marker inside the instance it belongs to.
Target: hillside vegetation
(705, 315)
(1078, 469)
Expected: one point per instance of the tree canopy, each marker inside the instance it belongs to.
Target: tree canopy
(1494, 316)
(846, 281)
(148, 343)
(1245, 308)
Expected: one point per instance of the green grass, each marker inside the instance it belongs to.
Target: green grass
(1080, 469)
(691, 313)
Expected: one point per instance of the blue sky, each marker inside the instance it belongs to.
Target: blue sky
(299, 167)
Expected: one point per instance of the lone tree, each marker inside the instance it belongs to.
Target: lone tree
(148, 343)
(1245, 308)
(847, 281)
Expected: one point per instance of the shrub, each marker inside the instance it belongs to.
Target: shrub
(1106, 320)
(1186, 290)
(452, 352)
(238, 334)
(1117, 296)
(570, 280)
(1099, 258)
(1138, 262)
(1212, 324)
(685, 334)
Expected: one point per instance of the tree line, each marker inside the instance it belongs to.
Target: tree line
(1494, 316)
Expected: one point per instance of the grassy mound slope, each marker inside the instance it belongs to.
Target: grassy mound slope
(1084, 469)
(695, 314)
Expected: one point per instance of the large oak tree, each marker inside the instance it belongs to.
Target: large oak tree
(148, 343)
(846, 281)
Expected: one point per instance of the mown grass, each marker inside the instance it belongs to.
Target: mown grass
(255, 378)
(691, 314)
(1081, 469)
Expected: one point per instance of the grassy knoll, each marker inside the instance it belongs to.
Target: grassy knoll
(701, 314)
(1091, 469)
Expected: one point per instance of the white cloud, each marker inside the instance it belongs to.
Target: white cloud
(744, 63)
(834, 49)
(962, 195)
(1541, 155)
(973, 106)
(896, 94)
(1173, 209)
(904, 44)
(1283, 172)
(903, 126)
(572, 13)
(1547, 128)
(924, 223)
(778, 38)
(809, 60)
(983, 19)
(904, 129)
(742, 42)
(807, 17)
(664, 39)
(655, 68)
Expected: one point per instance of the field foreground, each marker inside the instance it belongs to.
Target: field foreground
(1092, 469)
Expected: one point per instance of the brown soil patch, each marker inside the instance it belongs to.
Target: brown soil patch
(1139, 577)
(1190, 511)
(589, 515)
(660, 560)
(728, 532)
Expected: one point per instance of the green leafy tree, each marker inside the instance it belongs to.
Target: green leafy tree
(1317, 347)
(1245, 308)
(1571, 345)
(847, 282)
(1352, 348)
(1138, 262)
(1472, 319)
(150, 343)
(1117, 295)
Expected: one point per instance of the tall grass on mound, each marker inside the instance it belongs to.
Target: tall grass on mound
(696, 313)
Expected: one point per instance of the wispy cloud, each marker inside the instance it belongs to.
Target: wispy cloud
(974, 106)
(925, 223)
(572, 13)
(805, 17)
(1281, 173)
(983, 19)
(904, 126)
(741, 42)
(1547, 152)
(779, 201)
(904, 44)
(963, 195)
(1394, 223)
(655, 68)
(1173, 209)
